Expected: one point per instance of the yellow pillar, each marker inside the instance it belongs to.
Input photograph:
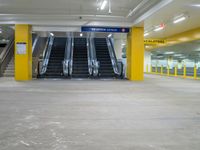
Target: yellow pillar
(23, 52)
(184, 71)
(135, 54)
(151, 69)
(195, 72)
(156, 69)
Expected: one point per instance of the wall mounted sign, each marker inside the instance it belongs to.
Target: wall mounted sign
(104, 29)
(154, 41)
(21, 48)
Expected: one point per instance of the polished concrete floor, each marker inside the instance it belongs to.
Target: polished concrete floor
(158, 114)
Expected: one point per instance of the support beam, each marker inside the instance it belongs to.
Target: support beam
(135, 54)
(23, 52)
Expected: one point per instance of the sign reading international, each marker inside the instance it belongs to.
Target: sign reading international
(104, 29)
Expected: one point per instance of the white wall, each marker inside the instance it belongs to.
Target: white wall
(147, 60)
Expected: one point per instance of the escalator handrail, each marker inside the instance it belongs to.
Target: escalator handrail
(89, 54)
(35, 43)
(67, 58)
(6, 50)
(113, 57)
(95, 63)
(46, 55)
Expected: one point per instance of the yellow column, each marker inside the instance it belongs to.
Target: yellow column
(156, 69)
(135, 55)
(184, 71)
(151, 69)
(23, 52)
(195, 72)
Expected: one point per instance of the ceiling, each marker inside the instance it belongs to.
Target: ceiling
(190, 50)
(62, 14)
(168, 13)
(69, 15)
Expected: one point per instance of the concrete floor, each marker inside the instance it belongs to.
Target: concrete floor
(158, 114)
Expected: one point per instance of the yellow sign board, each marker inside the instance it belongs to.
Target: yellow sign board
(154, 41)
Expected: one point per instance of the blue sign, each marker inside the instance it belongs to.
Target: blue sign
(104, 29)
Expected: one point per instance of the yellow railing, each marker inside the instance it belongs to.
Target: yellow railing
(175, 74)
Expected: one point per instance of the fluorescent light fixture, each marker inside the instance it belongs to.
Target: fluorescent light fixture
(110, 35)
(51, 34)
(146, 34)
(177, 55)
(197, 50)
(169, 53)
(196, 5)
(179, 19)
(81, 34)
(158, 28)
(103, 5)
(0, 31)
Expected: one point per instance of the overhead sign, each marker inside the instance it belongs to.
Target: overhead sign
(154, 41)
(104, 29)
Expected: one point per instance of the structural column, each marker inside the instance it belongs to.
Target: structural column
(23, 52)
(135, 54)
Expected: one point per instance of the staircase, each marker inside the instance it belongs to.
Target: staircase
(80, 59)
(55, 66)
(9, 71)
(103, 56)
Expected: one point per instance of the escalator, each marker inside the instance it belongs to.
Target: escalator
(55, 66)
(80, 59)
(103, 56)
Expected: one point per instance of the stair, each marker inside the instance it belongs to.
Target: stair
(55, 66)
(80, 59)
(103, 56)
(10, 71)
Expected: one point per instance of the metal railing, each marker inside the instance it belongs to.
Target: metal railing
(185, 72)
(46, 56)
(117, 65)
(93, 63)
(35, 43)
(68, 59)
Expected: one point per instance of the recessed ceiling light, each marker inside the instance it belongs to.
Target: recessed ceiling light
(179, 19)
(195, 5)
(81, 34)
(177, 55)
(103, 5)
(158, 28)
(146, 34)
(169, 53)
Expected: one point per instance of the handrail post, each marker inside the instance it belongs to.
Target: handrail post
(161, 70)
(156, 69)
(195, 72)
(184, 72)
(168, 71)
(147, 68)
(175, 71)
